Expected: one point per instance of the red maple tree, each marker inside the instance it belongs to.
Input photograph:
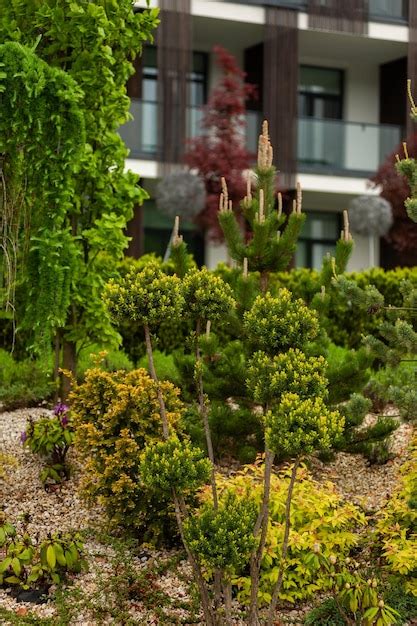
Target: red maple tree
(221, 150)
(400, 244)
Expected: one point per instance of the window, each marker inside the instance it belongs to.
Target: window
(158, 230)
(318, 237)
(197, 78)
(320, 92)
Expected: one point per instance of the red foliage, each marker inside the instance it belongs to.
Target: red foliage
(220, 150)
(402, 237)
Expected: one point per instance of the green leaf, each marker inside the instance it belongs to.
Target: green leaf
(51, 557)
(370, 613)
(12, 579)
(60, 556)
(16, 566)
(5, 564)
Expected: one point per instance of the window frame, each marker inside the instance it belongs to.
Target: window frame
(334, 98)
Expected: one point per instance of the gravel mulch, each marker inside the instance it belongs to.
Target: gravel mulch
(61, 509)
(367, 485)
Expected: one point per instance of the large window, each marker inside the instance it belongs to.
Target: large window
(320, 92)
(318, 237)
(141, 133)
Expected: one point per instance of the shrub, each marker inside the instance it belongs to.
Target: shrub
(51, 438)
(403, 602)
(174, 464)
(297, 426)
(319, 520)
(397, 528)
(347, 371)
(114, 414)
(26, 562)
(24, 383)
(289, 371)
(395, 385)
(346, 323)
(223, 538)
(279, 323)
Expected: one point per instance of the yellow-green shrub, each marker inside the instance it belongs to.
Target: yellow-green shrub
(114, 414)
(321, 526)
(397, 527)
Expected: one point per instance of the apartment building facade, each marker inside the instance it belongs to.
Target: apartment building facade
(331, 78)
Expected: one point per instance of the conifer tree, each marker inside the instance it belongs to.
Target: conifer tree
(267, 247)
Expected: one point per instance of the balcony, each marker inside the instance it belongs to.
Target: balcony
(324, 146)
(339, 147)
(379, 10)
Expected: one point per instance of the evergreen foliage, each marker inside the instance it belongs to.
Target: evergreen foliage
(299, 426)
(267, 248)
(174, 464)
(223, 537)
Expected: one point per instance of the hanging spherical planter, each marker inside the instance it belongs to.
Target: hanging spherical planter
(182, 194)
(370, 215)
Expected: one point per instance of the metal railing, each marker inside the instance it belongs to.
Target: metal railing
(324, 145)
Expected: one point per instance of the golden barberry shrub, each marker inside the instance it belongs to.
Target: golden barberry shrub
(115, 414)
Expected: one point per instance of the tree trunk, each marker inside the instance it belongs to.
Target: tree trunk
(278, 585)
(260, 530)
(69, 362)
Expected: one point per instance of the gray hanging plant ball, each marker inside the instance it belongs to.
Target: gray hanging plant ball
(370, 215)
(181, 193)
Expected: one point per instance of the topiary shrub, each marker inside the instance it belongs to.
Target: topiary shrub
(114, 413)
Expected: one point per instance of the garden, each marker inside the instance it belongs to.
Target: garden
(181, 445)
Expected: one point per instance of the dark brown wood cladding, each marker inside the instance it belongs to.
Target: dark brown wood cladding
(348, 16)
(280, 85)
(134, 84)
(412, 60)
(174, 42)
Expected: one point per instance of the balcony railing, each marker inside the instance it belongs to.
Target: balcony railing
(380, 10)
(324, 146)
(338, 146)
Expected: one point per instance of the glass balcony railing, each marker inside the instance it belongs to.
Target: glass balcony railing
(380, 10)
(389, 10)
(336, 146)
(324, 146)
